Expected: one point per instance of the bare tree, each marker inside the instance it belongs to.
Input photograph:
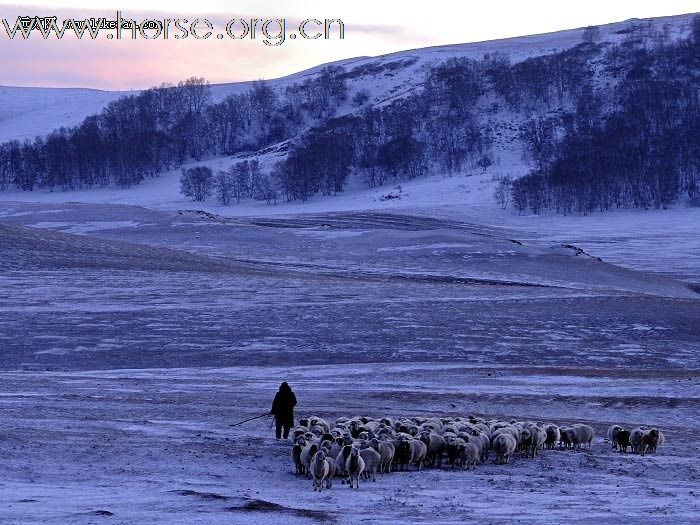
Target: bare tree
(197, 183)
(224, 187)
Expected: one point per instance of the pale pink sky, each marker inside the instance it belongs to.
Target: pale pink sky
(372, 27)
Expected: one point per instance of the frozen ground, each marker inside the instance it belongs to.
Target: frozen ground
(132, 337)
(154, 446)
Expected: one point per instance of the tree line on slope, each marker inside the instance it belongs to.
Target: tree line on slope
(603, 126)
(140, 136)
(632, 145)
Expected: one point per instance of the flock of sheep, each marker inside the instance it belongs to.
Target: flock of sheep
(641, 440)
(360, 447)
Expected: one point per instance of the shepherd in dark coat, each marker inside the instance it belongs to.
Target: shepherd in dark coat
(283, 410)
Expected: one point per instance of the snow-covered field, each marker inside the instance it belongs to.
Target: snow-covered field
(135, 326)
(132, 337)
(660, 241)
(154, 446)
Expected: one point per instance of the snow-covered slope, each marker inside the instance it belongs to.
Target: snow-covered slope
(671, 235)
(26, 112)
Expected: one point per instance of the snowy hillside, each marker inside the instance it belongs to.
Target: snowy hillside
(27, 111)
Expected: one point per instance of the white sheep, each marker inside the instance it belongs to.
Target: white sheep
(579, 435)
(435, 444)
(539, 437)
(637, 440)
(354, 466)
(307, 454)
(613, 431)
(386, 452)
(485, 446)
(372, 460)
(504, 445)
(468, 455)
(331, 472)
(419, 452)
(319, 470)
